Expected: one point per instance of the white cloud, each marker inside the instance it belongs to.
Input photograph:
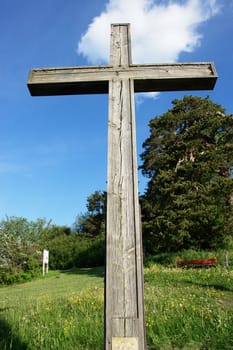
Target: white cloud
(161, 30)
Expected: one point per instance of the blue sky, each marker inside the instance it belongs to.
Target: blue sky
(53, 150)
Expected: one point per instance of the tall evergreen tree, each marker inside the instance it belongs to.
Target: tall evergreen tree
(188, 159)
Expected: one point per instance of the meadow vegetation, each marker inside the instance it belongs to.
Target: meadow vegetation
(185, 309)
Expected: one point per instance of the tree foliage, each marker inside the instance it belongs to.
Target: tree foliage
(20, 255)
(68, 249)
(188, 159)
(93, 221)
(22, 243)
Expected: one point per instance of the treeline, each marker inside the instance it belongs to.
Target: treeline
(188, 202)
(22, 243)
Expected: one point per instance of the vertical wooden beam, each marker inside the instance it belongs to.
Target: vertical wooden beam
(124, 299)
(124, 313)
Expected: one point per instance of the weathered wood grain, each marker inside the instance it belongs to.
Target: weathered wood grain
(124, 292)
(124, 316)
(147, 78)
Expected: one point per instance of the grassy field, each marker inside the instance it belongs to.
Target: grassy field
(185, 309)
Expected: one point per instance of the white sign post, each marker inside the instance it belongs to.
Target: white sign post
(45, 267)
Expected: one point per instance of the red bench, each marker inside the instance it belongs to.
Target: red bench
(197, 263)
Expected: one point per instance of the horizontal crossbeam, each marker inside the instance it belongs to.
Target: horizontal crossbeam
(147, 78)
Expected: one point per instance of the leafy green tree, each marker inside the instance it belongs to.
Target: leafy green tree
(68, 249)
(93, 221)
(19, 245)
(52, 231)
(188, 159)
(60, 243)
(23, 241)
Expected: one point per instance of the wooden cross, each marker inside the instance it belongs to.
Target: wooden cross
(124, 300)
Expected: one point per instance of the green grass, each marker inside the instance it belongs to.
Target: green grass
(185, 309)
(189, 309)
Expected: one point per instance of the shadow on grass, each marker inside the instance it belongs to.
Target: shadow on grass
(90, 271)
(210, 285)
(8, 340)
